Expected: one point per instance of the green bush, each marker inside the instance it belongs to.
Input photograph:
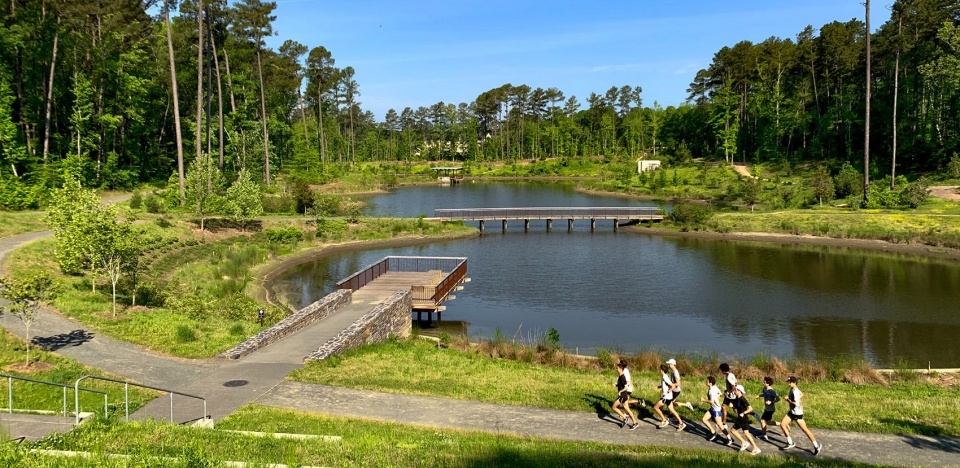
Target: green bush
(848, 182)
(287, 235)
(237, 329)
(136, 201)
(185, 334)
(331, 229)
(687, 214)
(915, 194)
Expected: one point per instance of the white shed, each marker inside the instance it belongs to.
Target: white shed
(644, 165)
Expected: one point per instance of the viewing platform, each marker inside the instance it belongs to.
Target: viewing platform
(551, 213)
(431, 280)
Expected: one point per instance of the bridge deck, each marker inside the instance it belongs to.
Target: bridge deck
(483, 214)
(387, 283)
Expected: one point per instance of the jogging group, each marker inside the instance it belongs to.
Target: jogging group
(722, 402)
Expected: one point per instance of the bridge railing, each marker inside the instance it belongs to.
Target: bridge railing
(549, 213)
(454, 268)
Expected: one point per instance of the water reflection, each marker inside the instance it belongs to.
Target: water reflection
(627, 290)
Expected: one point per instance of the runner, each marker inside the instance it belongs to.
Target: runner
(796, 414)
(624, 388)
(770, 399)
(729, 393)
(675, 385)
(741, 428)
(666, 399)
(713, 414)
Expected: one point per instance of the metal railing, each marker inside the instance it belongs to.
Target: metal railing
(126, 395)
(551, 213)
(11, 378)
(419, 264)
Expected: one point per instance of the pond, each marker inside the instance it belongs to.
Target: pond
(628, 290)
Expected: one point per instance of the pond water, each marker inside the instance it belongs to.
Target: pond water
(628, 290)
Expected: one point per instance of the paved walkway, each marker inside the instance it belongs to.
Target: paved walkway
(585, 426)
(259, 378)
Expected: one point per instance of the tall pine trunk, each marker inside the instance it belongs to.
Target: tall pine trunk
(199, 77)
(176, 104)
(896, 95)
(866, 124)
(216, 67)
(263, 115)
(323, 139)
(53, 65)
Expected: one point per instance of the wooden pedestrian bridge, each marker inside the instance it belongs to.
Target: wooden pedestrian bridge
(617, 214)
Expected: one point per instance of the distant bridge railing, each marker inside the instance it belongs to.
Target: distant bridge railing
(453, 268)
(477, 214)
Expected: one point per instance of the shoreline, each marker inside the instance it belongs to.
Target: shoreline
(919, 250)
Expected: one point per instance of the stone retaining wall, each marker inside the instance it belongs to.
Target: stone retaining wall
(300, 319)
(390, 318)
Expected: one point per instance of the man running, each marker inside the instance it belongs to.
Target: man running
(713, 414)
(796, 414)
(624, 389)
(729, 394)
(741, 428)
(666, 399)
(675, 384)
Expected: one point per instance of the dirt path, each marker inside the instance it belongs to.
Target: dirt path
(945, 191)
(743, 170)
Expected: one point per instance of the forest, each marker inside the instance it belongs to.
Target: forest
(126, 92)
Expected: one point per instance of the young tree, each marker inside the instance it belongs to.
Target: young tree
(823, 185)
(72, 213)
(119, 246)
(750, 191)
(244, 201)
(204, 181)
(25, 297)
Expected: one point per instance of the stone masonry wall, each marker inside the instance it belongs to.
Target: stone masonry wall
(300, 319)
(390, 317)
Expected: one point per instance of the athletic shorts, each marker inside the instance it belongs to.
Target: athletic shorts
(795, 417)
(727, 401)
(716, 414)
(623, 397)
(676, 394)
(767, 416)
(742, 422)
(666, 400)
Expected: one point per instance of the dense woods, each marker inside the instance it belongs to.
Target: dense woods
(129, 91)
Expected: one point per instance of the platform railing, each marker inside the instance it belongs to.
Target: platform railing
(400, 263)
(126, 395)
(11, 378)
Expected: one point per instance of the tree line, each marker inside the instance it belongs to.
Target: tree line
(123, 92)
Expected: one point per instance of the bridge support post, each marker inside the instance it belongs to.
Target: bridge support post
(569, 225)
(504, 225)
(526, 225)
(481, 225)
(549, 224)
(593, 224)
(616, 224)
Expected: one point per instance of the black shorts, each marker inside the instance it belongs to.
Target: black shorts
(667, 400)
(795, 417)
(676, 394)
(623, 397)
(743, 422)
(727, 401)
(767, 416)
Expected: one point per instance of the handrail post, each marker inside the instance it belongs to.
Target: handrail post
(126, 399)
(76, 400)
(171, 407)
(10, 395)
(64, 401)
(105, 409)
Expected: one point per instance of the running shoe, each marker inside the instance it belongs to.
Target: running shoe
(729, 442)
(756, 451)
(623, 423)
(817, 448)
(764, 437)
(663, 424)
(744, 447)
(689, 406)
(790, 446)
(713, 437)
(634, 426)
(682, 426)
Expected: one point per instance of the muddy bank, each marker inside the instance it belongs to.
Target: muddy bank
(866, 244)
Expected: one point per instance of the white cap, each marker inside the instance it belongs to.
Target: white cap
(672, 362)
(740, 387)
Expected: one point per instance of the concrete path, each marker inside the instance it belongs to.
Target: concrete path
(585, 426)
(34, 427)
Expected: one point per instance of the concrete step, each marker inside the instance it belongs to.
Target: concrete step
(37, 426)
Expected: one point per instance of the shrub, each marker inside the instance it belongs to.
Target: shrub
(302, 195)
(185, 334)
(331, 229)
(237, 329)
(136, 201)
(686, 213)
(287, 235)
(915, 194)
(848, 182)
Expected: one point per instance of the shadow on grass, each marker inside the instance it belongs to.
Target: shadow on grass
(63, 340)
(913, 427)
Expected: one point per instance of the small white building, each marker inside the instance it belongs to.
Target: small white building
(644, 165)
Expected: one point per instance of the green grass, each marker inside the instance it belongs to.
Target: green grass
(21, 222)
(34, 396)
(420, 368)
(366, 443)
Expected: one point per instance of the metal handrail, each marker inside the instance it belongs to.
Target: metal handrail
(11, 378)
(547, 212)
(398, 263)
(126, 395)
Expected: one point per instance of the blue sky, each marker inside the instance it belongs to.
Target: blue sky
(417, 53)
